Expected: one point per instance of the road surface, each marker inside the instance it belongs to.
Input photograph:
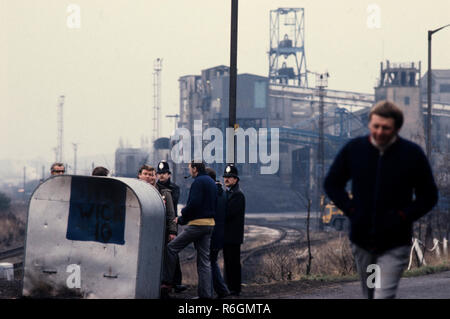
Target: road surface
(435, 286)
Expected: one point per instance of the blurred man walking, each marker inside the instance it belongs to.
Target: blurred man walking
(392, 186)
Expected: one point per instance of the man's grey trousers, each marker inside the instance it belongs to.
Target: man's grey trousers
(385, 272)
(201, 237)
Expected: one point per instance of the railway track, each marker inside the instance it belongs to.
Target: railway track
(15, 252)
(289, 237)
(191, 255)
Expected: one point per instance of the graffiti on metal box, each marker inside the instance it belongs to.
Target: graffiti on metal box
(96, 215)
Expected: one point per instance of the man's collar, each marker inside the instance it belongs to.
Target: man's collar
(232, 188)
(167, 182)
(383, 148)
(200, 174)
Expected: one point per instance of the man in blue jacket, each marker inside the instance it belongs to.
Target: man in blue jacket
(392, 186)
(198, 215)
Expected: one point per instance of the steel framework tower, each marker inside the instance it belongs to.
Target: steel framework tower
(157, 68)
(287, 40)
(60, 129)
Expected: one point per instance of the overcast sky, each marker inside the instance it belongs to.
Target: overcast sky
(104, 68)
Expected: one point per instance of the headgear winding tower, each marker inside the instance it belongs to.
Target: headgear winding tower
(287, 61)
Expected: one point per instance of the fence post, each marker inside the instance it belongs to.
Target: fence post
(419, 254)
(436, 247)
(444, 247)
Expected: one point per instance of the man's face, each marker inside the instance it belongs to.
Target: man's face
(382, 129)
(163, 177)
(230, 181)
(58, 170)
(193, 171)
(148, 176)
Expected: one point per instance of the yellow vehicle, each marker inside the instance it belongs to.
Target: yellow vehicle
(333, 216)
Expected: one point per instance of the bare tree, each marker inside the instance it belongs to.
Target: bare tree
(307, 200)
(308, 265)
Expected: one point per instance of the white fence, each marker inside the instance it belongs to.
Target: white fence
(419, 246)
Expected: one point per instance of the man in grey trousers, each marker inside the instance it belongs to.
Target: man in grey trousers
(392, 186)
(198, 215)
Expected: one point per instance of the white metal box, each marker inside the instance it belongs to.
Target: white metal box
(103, 236)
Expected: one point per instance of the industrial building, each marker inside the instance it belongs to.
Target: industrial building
(440, 86)
(295, 111)
(313, 121)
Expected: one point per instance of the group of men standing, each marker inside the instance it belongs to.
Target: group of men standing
(213, 220)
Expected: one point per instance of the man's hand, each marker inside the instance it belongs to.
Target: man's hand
(172, 237)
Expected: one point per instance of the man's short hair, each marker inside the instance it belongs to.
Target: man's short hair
(388, 109)
(211, 172)
(100, 171)
(146, 167)
(52, 168)
(199, 165)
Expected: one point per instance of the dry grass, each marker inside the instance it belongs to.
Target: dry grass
(333, 258)
(279, 264)
(12, 227)
(44, 290)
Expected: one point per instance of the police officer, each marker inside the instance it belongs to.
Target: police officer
(217, 238)
(163, 174)
(234, 230)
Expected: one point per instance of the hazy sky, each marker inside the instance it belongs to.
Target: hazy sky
(104, 68)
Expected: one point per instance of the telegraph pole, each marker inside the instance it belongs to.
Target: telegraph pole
(174, 165)
(321, 84)
(60, 132)
(231, 145)
(157, 68)
(429, 84)
(24, 183)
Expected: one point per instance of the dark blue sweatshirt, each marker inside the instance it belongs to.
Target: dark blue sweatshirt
(202, 200)
(390, 191)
